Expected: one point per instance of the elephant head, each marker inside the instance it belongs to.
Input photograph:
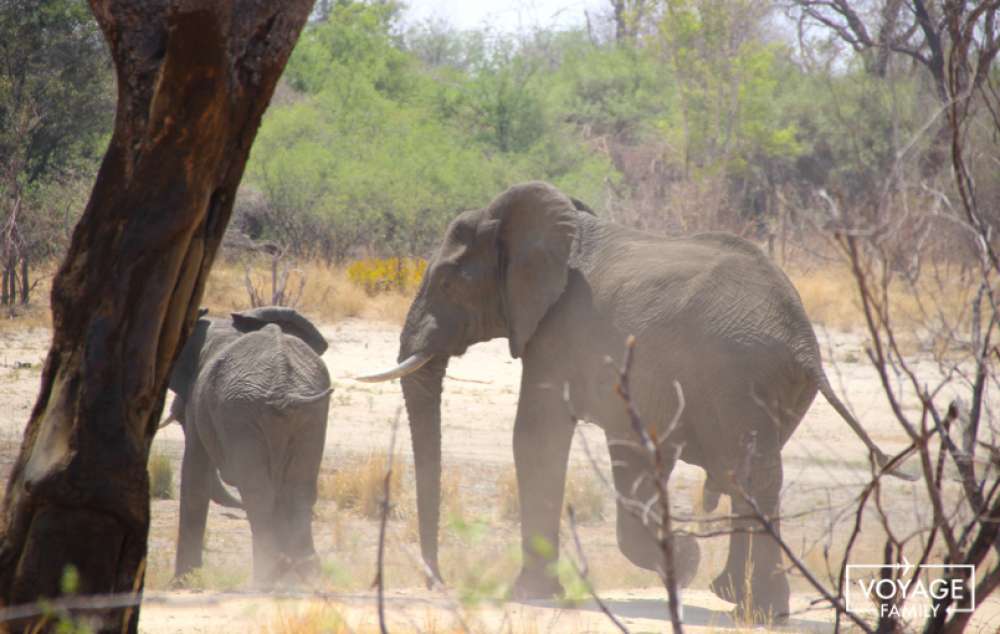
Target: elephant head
(496, 274)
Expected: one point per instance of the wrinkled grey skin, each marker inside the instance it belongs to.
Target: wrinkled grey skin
(566, 288)
(217, 492)
(252, 395)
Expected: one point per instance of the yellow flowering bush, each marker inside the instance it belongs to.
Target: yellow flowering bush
(381, 275)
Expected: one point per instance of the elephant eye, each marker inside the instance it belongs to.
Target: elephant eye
(454, 274)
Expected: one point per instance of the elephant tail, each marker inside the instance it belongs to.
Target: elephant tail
(294, 400)
(221, 495)
(831, 397)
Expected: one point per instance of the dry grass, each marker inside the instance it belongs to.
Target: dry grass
(940, 297)
(37, 313)
(452, 501)
(828, 292)
(161, 477)
(330, 618)
(583, 491)
(829, 296)
(358, 485)
(159, 564)
(218, 577)
(327, 292)
(308, 620)
(508, 506)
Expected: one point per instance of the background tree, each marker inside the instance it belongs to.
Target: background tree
(194, 80)
(382, 140)
(922, 32)
(628, 16)
(55, 113)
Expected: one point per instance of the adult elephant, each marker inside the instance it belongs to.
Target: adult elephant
(253, 395)
(566, 288)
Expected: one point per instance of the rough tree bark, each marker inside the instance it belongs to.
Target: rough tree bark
(194, 78)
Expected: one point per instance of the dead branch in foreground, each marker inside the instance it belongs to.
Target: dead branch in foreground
(659, 466)
(582, 570)
(386, 507)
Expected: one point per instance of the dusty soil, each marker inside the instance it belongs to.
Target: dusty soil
(825, 466)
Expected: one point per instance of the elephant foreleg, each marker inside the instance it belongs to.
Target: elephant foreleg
(197, 472)
(543, 433)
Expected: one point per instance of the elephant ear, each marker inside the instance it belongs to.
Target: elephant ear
(537, 227)
(185, 370)
(288, 319)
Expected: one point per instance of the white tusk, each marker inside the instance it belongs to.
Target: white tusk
(411, 365)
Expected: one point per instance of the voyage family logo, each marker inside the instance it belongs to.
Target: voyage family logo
(905, 597)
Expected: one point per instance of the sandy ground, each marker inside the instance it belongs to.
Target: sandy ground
(825, 466)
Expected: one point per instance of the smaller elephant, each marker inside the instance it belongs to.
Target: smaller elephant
(252, 395)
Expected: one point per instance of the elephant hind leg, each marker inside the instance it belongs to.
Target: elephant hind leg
(197, 473)
(248, 465)
(637, 540)
(297, 495)
(754, 577)
(259, 500)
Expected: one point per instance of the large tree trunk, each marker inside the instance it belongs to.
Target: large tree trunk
(194, 78)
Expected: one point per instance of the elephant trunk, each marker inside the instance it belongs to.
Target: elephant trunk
(422, 394)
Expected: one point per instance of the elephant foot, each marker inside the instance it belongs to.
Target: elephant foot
(432, 577)
(728, 589)
(768, 603)
(184, 576)
(306, 568)
(535, 585)
(180, 582)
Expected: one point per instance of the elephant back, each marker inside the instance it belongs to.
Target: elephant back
(267, 367)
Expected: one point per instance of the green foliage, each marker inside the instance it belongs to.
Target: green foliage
(56, 96)
(55, 101)
(850, 139)
(379, 137)
(728, 87)
(351, 52)
(611, 89)
(380, 152)
(70, 582)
